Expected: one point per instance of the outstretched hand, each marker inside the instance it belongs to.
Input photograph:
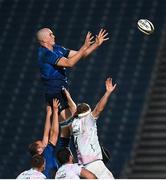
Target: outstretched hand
(55, 104)
(101, 37)
(109, 86)
(48, 109)
(89, 39)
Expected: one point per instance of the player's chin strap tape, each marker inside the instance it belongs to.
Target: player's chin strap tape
(66, 123)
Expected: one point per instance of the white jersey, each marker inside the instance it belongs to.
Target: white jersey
(68, 171)
(86, 139)
(31, 174)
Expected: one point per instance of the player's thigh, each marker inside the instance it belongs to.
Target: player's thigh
(99, 169)
(62, 100)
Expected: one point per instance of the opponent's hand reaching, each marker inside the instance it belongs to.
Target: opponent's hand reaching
(109, 86)
(101, 37)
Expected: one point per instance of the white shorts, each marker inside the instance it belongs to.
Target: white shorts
(99, 169)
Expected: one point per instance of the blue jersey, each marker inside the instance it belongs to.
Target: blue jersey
(51, 161)
(49, 154)
(53, 77)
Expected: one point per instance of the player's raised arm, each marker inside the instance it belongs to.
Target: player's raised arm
(54, 131)
(103, 101)
(72, 60)
(47, 125)
(100, 38)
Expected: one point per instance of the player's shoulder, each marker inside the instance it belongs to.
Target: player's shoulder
(71, 167)
(58, 47)
(37, 175)
(22, 175)
(41, 49)
(76, 165)
(90, 116)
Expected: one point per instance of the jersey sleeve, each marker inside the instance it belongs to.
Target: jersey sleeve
(63, 50)
(90, 120)
(53, 57)
(21, 176)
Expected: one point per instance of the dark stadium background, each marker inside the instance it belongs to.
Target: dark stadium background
(133, 125)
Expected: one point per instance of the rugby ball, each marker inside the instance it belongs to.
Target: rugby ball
(145, 26)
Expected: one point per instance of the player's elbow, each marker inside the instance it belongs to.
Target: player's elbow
(53, 133)
(69, 64)
(63, 62)
(53, 141)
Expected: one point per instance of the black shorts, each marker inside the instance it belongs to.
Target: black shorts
(60, 96)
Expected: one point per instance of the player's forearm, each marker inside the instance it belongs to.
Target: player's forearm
(72, 105)
(103, 101)
(101, 104)
(54, 128)
(47, 127)
(74, 59)
(89, 50)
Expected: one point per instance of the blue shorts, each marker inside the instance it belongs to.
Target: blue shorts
(60, 96)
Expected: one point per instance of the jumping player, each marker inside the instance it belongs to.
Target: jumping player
(85, 135)
(53, 61)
